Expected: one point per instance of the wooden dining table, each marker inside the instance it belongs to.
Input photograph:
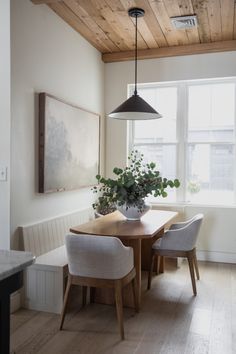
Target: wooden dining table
(140, 235)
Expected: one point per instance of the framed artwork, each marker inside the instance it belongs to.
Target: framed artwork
(68, 145)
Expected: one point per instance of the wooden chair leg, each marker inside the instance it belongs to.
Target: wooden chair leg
(135, 294)
(162, 264)
(150, 272)
(65, 302)
(191, 269)
(84, 297)
(119, 307)
(196, 264)
(158, 264)
(92, 294)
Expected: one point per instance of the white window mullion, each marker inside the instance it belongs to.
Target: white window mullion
(130, 136)
(181, 138)
(235, 143)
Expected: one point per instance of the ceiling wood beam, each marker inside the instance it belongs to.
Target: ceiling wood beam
(173, 51)
(40, 2)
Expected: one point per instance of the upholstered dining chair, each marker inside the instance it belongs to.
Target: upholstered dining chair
(100, 261)
(179, 241)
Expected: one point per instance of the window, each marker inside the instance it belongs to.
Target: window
(157, 138)
(195, 139)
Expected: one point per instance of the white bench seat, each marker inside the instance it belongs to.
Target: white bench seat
(45, 279)
(54, 258)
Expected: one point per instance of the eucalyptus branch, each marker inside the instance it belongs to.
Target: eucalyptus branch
(132, 185)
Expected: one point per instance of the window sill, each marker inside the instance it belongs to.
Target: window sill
(186, 204)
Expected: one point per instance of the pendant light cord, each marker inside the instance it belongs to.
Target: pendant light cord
(136, 55)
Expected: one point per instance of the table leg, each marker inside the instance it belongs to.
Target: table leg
(147, 250)
(136, 245)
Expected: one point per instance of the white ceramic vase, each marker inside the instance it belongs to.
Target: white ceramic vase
(132, 213)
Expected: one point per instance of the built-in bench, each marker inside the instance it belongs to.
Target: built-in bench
(45, 280)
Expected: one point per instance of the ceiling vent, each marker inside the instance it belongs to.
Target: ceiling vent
(184, 22)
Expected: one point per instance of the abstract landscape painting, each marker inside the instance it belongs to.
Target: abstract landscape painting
(68, 145)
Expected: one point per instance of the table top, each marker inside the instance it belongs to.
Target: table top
(12, 262)
(115, 224)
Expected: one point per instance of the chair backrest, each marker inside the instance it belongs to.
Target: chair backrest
(181, 224)
(99, 257)
(185, 237)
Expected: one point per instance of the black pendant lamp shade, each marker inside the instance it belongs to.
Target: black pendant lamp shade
(135, 108)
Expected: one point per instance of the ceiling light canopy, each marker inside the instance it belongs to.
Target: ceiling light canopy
(135, 107)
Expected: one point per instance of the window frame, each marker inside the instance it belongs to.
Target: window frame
(182, 142)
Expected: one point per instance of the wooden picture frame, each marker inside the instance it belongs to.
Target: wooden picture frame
(69, 145)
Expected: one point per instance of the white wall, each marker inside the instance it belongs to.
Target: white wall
(217, 239)
(5, 122)
(47, 56)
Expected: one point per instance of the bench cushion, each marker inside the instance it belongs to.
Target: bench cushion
(55, 258)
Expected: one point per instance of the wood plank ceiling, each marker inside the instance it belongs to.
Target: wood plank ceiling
(107, 26)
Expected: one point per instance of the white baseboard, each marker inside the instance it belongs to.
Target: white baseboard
(212, 256)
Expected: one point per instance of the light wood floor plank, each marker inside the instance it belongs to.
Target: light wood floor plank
(171, 319)
(21, 317)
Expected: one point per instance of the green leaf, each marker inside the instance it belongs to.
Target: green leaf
(152, 165)
(117, 171)
(176, 183)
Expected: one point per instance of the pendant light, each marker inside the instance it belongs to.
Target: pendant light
(135, 108)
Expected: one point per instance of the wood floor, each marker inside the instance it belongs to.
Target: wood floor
(171, 320)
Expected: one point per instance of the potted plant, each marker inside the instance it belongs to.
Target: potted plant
(133, 184)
